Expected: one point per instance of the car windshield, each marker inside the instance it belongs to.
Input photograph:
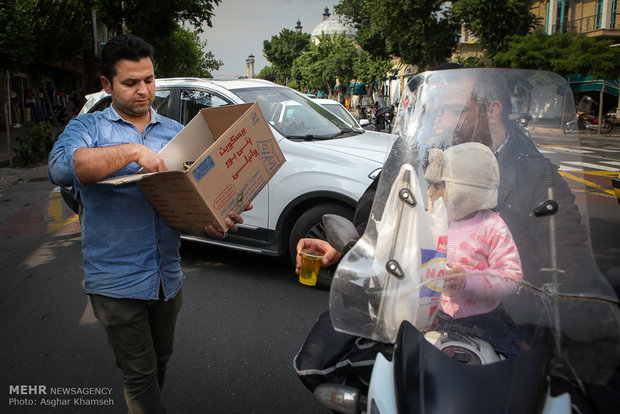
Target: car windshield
(295, 116)
(341, 112)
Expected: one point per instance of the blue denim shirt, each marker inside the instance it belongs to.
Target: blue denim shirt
(127, 248)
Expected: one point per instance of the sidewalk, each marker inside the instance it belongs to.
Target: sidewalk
(10, 177)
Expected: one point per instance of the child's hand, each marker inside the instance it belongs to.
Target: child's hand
(455, 278)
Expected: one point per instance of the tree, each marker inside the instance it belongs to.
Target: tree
(183, 55)
(35, 32)
(369, 69)
(367, 37)
(563, 53)
(417, 31)
(157, 22)
(329, 61)
(60, 30)
(271, 74)
(283, 49)
(153, 20)
(15, 47)
(16, 35)
(494, 23)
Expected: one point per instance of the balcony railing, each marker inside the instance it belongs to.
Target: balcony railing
(586, 24)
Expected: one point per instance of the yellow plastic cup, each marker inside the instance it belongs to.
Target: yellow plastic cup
(310, 264)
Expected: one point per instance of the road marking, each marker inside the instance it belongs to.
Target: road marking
(567, 168)
(55, 219)
(606, 192)
(602, 173)
(616, 163)
(550, 149)
(601, 149)
(589, 165)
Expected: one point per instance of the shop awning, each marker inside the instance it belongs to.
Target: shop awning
(587, 84)
(358, 88)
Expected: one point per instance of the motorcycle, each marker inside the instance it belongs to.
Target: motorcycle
(389, 285)
(583, 121)
(523, 122)
(384, 116)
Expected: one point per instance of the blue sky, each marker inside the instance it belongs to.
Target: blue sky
(241, 26)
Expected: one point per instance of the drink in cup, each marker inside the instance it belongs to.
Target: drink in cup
(310, 264)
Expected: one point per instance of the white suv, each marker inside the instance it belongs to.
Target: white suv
(328, 164)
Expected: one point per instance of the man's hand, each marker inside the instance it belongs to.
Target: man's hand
(149, 159)
(231, 224)
(455, 278)
(331, 255)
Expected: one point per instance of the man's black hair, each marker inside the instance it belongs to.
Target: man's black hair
(123, 46)
(492, 86)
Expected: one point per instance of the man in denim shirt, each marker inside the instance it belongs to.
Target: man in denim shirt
(131, 256)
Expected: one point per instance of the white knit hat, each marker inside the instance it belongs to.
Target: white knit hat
(471, 174)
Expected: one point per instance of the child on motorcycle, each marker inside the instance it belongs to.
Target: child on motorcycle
(483, 260)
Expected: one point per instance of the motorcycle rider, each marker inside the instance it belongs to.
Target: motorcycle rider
(466, 102)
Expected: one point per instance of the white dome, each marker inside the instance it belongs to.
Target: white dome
(332, 26)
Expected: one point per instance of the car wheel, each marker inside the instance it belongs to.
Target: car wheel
(310, 224)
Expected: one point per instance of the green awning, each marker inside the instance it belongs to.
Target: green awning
(587, 84)
(358, 88)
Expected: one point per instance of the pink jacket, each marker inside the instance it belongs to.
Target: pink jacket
(484, 248)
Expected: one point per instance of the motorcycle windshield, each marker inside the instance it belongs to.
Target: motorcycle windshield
(506, 235)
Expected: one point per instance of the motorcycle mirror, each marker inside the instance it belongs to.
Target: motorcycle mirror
(340, 232)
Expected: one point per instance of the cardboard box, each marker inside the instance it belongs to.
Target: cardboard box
(234, 155)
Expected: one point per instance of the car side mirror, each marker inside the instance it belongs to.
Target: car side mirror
(364, 122)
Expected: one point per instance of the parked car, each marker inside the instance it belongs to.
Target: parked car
(328, 164)
(340, 111)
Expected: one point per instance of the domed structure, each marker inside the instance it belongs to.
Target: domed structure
(331, 26)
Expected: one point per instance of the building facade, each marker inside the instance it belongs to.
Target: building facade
(595, 18)
(599, 19)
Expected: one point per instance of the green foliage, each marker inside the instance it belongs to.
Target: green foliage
(326, 62)
(563, 53)
(34, 145)
(16, 38)
(153, 20)
(369, 68)
(354, 12)
(40, 31)
(283, 49)
(417, 31)
(271, 74)
(494, 23)
(60, 29)
(472, 62)
(157, 22)
(183, 55)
